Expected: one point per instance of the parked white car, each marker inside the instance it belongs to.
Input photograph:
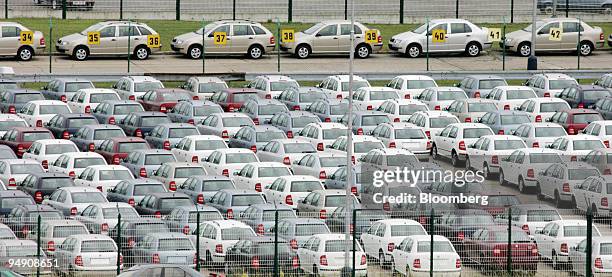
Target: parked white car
(521, 167)
(593, 193)
(323, 254)
(432, 122)
(412, 257)
(103, 177)
(228, 160)
(204, 87)
(510, 97)
(452, 142)
(380, 239)
(539, 134)
(8, 121)
(46, 151)
(485, 154)
(361, 145)
(411, 86)
(86, 100)
(131, 87)
(71, 201)
(271, 86)
(217, 236)
(557, 237)
(370, 98)
(319, 165)
(196, 148)
(285, 151)
(529, 217)
(337, 86)
(14, 171)
(601, 257)
(572, 148)
(73, 164)
(558, 181)
(321, 134)
(39, 112)
(601, 129)
(259, 174)
(543, 108)
(404, 136)
(87, 254)
(549, 84)
(400, 110)
(290, 190)
(439, 98)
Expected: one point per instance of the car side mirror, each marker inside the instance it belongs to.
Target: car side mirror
(235, 173)
(114, 86)
(43, 88)
(140, 97)
(318, 35)
(538, 231)
(122, 121)
(328, 146)
(549, 120)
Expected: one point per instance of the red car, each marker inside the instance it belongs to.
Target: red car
(488, 247)
(164, 99)
(21, 138)
(574, 120)
(231, 99)
(115, 149)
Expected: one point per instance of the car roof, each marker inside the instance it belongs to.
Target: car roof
(234, 150)
(101, 126)
(299, 114)
(54, 141)
(239, 90)
(126, 139)
(112, 205)
(98, 90)
(210, 177)
(142, 78)
(30, 129)
(83, 237)
(514, 88)
(182, 164)
(264, 128)
(199, 208)
(17, 242)
(275, 77)
(141, 114)
(228, 223)
(142, 181)
(108, 167)
(502, 137)
(346, 78)
(72, 79)
(82, 154)
(207, 79)
(524, 207)
(269, 206)
(164, 235)
(543, 124)
(168, 194)
(292, 178)
(13, 193)
(239, 191)
(77, 115)
(21, 161)
(56, 222)
(177, 125)
(484, 77)
(328, 125)
(152, 151)
(200, 103)
(23, 90)
(267, 164)
(118, 102)
(556, 76)
(49, 175)
(463, 125)
(302, 220)
(414, 77)
(79, 189)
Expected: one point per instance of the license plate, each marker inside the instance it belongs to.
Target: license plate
(79, 3)
(99, 261)
(176, 260)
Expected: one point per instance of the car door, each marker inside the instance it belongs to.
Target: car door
(9, 40)
(344, 40)
(458, 37)
(210, 45)
(124, 34)
(367, 240)
(438, 46)
(242, 37)
(108, 41)
(326, 39)
(569, 39)
(543, 41)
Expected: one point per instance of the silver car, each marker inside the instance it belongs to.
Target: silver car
(460, 36)
(590, 37)
(111, 38)
(12, 43)
(165, 248)
(87, 255)
(16, 254)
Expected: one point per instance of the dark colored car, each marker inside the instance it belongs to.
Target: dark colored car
(19, 139)
(65, 125)
(574, 120)
(64, 88)
(134, 229)
(255, 137)
(457, 225)
(24, 218)
(116, 149)
(365, 218)
(604, 107)
(89, 138)
(147, 270)
(255, 256)
(42, 184)
(163, 99)
(112, 111)
(141, 124)
(162, 203)
(132, 191)
(9, 199)
(231, 99)
(13, 100)
(583, 96)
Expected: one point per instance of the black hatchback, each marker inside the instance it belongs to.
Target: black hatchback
(41, 184)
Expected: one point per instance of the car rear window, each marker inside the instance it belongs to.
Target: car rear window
(333, 133)
(209, 144)
(9, 203)
(582, 173)
(27, 97)
(6, 233)
(101, 97)
(520, 94)
(53, 109)
(310, 97)
(159, 159)
(246, 200)
(88, 197)
(186, 172)
(450, 95)
(182, 132)
(237, 121)
(236, 233)
(80, 122)
(481, 107)
(211, 87)
(412, 133)
(605, 249)
(176, 96)
(553, 107)
(108, 175)
(144, 189)
(302, 121)
(586, 117)
(420, 84)
(509, 144)
(587, 144)
(549, 132)
(113, 213)
(540, 158)
(216, 185)
(491, 83)
(310, 229)
(56, 149)
(20, 251)
(293, 148)
(33, 216)
(273, 172)
(517, 236)
(240, 158)
(514, 119)
(595, 94)
(106, 246)
(270, 215)
(53, 182)
(271, 109)
(173, 202)
(383, 95)
(439, 246)
(364, 147)
(243, 97)
(85, 162)
(124, 109)
(206, 110)
(332, 161)
(152, 121)
(578, 231)
(407, 230)
(561, 84)
(268, 136)
(74, 86)
(339, 246)
(441, 122)
(283, 85)
(339, 109)
(542, 215)
(267, 248)
(69, 230)
(503, 200)
(410, 109)
(476, 132)
(175, 244)
(5, 125)
(34, 136)
(145, 228)
(102, 134)
(146, 86)
(127, 147)
(476, 220)
(374, 120)
(204, 216)
(25, 168)
(305, 186)
(356, 85)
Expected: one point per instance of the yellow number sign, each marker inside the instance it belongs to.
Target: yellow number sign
(438, 35)
(26, 37)
(153, 41)
(220, 38)
(93, 38)
(495, 34)
(555, 34)
(371, 36)
(288, 35)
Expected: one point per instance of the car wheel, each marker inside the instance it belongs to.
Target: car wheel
(381, 259)
(558, 202)
(255, 52)
(586, 48)
(362, 51)
(555, 261)
(501, 178)
(195, 52)
(524, 49)
(392, 266)
(413, 50)
(141, 53)
(539, 194)
(434, 152)
(468, 165)
(25, 53)
(302, 51)
(574, 204)
(472, 49)
(521, 185)
(454, 159)
(80, 53)
(486, 171)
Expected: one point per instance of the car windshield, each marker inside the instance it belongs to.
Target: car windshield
(206, 110)
(246, 199)
(146, 86)
(101, 97)
(69, 230)
(586, 117)
(491, 83)
(582, 173)
(310, 229)
(374, 120)
(159, 159)
(553, 107)
(503, 200)
(175, 244)
(20, 251)
(80, 122)
(271, 109)
(244, 96)
(356, 85)
(514, 119)
(269, 215)
(313, 28)
(293, 148)
(578, 231)
(412, 133)
(364, 147)
(420, 29)
(92, 28)
(420, 84)
(509, 144)
(6, 233)
(383, 95)
(283, 85)
(605, 249)
(107, 175)
(55, 182)
(236, 233)
(27, 97)
(549, 132)
(34, 136)
(516, 235)
(540, 158)
(186, 172)
(152, 121)
(273, 172)
(26, 168)
(113, 213)
(127, 147)
(330, 134)
(310, 97)
(402, 160)
(9, 203)
(236, 158)
(107, 246)
(7, 154)
(332, 161)
(237, 121)
(204, 216)
(268, 136)
(476, 132)
(87, 197)
(102, 134)
(145, 189)
(212, 144)
(407, 230)
(609, 130)
(182, 132)
(441, 122)
(267, 248)
(124, 109)
(173, 202)
(74, 86)
(595, 94)
(6, 125)
(305, 186)
(439, 246)
(481, 107)
(587, 144)
(561, 84)
(302, 121)
(211, 87)
(334, 201)
(542, 215)
(411, 108)
(339, 109)
(175, 96)
(53, 109)
(444, 95)
(85, 162)
(216, 185)
(57, 149)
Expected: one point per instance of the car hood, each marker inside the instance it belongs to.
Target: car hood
(519, 34)
(406, 35)
(187, 36)
(72, 37)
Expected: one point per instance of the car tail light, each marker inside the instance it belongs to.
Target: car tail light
(468, 120)
(392, 144)
(87, 109)
(288, 200)
(268, 96)
(416, 263)
(132, 97)
(191, 121)
(120, 259)
(327, 119)
(65, 135)
(530, 173)
(494, 159)
(131, 242)
(20, 148)
(104, 227)
(397, 119)
(157, 214)
(258, 187)
(458, 263)
(138, 133)
(155, 259)
(428, 134)
(461, 236)
(131, 202)
(351, 228)
(293, 243)
(547, 94)
(390, 247)
(525, 228)
(339, 96)
(574, 158)
(186, 230)
(45, 164)
(255, 262)
(607, 171)
(422, 220)
(320, 146)
(407, 96)
(51, 246)
(364, 260)
(38, 197)
(507, 107)
(230, 214)
(477, 94)
(25, 230)
(354, 190)
(163, 109)
(534, 251)
(496, 251)
(360, 131)
(535, 145)
(73, 211)
(116, 159)
(295, 262)
(322, 175)
(272, 40)
(78, 260)
(437, 108)
(563, 248)
(143, 172)
(72, 174)
(256, 121)
(369, 107)
(604, 202)
(12, 183)
(200, 199)
(166, 145)
(571, 131)
(538, 118)
(91, 147)
(12, 110)
(297, 108)
(195, 97)
(286, 161)
(231, 108)
(500, 132)
(386, 206)
(42, 42)
(219, 248)
(581, 105)
(289, 134)
(172, 186)
(39, 123)
(462, 145)
(566, 187)
(112, 121)
(353, 159)
(194, 159)
(225, 172)
(601, 36)
(322, 214)
(254, 148)
(323, 260)
(260, 229)
(598, 263)
(379, 40)
(607, 143)
(224, 134)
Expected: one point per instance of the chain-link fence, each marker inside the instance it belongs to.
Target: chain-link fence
(371, 11)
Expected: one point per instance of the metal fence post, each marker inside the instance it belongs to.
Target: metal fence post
(401, 15)
(203, 47)
(233, 9)
(431, 243)
(6, 9)
(511, 11)
(509, 247)
(427, 44)
(578, 47)
(198, 241)
(504, 45)
(457, 9)
(354, 242)
(50, 49)
(118, 242)
(589, 244)
(121, 9)
(129, 45)
(566, 8)
(345, 9)
(64, 8)
(290, 11)
(38, 221)
(178, 10)
(275, 270)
